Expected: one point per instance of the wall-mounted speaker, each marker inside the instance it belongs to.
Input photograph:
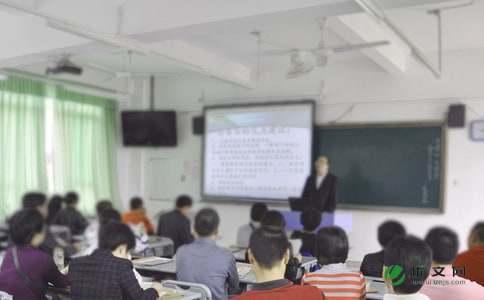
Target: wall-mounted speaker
(456, 117)
(198, 125)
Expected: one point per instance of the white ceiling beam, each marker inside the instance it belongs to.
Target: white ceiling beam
(361, 28)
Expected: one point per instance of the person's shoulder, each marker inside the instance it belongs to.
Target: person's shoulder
(306, 291)
(373, 255)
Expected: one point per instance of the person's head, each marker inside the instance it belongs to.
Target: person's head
(273, 218)
(310, 219)
(184, 204)
(407, 262)
(332, 246)
(103, 205)
(117, 238)
(389, 230)
(257, 212)
(36, 201)
(206, 223)
(27, 227)
(72, 199)
(136, 203)
(444, 244)
(55, 205)
(269, 251)
(476, 238)
(109, 215)
(322, 166)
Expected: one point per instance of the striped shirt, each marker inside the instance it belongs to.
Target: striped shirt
(337, 282)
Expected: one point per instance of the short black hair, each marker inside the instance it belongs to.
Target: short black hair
(310, 219)
(184, 201)
(444, 243)
(72, 198)
(136, 203)
(102, 205)
(109, 215)
(268, 246)
(55, 205)
(478, 232)
(115, 234)
(24, 225)
(414, 257)
(332, 245)
(273, 218)
(257, 211)
(206, 222)
(389, 230)
(33, 200)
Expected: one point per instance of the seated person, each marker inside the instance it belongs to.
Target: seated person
(92, 230)
(406, 267)
(269, 255)
(372, 264)
(38, 201)
(108, 272)
(175, 224)
(27, 271)
(70, 216)
(473, 259)
(273, 218)
(55, 205)
(335, 279)
(106, 216)
(310, 219)
(445, 244)
(137, 215)
(257, 212)
(204, 262)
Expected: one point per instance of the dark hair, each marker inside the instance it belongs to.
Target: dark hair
(55, 205)
(273, 218)
(310, 219)
(103, 205)
(257, 211)
(33, 200)
(206, 222)
(332, 245)
(478, 232)
(71, 198)
(115, 234)
(24, 225)
(268, 246)
(444, 244)
(109, 215)
(389, 230)
(184, 201)
(414, 256)
(136, 203)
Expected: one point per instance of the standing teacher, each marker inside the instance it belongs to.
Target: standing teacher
(320, 188)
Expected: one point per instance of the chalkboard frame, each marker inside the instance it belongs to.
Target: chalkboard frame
(443, 163)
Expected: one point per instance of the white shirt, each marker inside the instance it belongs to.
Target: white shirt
(416, 296)
(319, 181)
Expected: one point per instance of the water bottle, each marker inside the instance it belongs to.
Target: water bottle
(59, 257)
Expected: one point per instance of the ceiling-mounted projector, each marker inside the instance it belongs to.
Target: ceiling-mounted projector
(65, 66)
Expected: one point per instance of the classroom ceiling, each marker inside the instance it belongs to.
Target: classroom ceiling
(208, 34)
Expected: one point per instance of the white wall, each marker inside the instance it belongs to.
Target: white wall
(375, 97)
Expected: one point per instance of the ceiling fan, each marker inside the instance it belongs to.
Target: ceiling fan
(303, 61)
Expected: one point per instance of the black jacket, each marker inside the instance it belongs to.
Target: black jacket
(102, 276)
(324, 198)
(175, 226)
(71, 218)
(372, 264)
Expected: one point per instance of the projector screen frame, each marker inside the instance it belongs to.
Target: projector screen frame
(245, 199)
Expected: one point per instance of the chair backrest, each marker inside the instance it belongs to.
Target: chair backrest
(5, 296)
(192, 287)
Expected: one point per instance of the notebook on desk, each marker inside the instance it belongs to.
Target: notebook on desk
(152, 261)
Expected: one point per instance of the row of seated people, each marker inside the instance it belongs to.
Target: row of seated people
(97, 276)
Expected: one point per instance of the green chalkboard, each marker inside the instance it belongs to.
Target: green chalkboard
(390, 167)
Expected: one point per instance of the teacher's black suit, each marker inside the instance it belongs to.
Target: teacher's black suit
(322, 198)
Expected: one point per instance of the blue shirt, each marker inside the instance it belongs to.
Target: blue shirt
(204, 262)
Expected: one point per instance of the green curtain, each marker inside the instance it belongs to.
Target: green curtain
(84, 147)
(22, 141)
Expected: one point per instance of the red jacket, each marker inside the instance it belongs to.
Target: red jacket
(286, 292)
(472, 264)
